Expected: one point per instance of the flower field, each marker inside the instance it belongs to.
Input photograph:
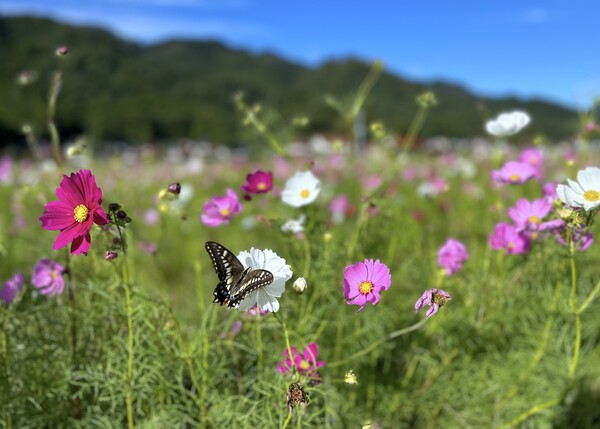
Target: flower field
(321, 284)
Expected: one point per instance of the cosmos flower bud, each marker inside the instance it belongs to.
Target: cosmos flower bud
(110, 255)
(113, 207)
(299, 285)
(61, 51)
(174, 188)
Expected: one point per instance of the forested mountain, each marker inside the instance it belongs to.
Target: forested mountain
(115, 89)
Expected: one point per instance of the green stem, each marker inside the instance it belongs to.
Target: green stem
(592, 296)
(288, 345)
(414, 128)
(75, 403)
(130, 343)
(6, 359)
(536, 409)
(287, 421)
(55, 88)
(362, 218)
(307, 257)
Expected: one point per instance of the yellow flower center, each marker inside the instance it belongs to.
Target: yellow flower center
(80, 213)
(514, 177)
(224, 212)
(304, 364)
(304, 193)
(53, 275)
(534, 219)
(365, 287)
(262, 186)
(591, 195)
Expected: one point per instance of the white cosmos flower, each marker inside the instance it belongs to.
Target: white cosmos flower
(265, 297)
(507, 124)
(301, 189)
(584, 194)
(294, 225)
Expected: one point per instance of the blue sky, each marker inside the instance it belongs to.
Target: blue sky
(525, 48)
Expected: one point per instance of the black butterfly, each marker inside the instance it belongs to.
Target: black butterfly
(235, 281)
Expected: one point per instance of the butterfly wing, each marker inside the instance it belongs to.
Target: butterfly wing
(235, 281)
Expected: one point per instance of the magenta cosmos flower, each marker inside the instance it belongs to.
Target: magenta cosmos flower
(306, 363)
(506, 237)
(434, 298)
(11, 287)
(258, 182)
(48, 277)
(452, 255)
(514, 172)
(364, 281)
(219, 210)
(77, 208)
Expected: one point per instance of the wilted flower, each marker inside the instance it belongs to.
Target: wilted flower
(294, 225)
(48, 277)
(75, 212)
(364, 281)
(174, 188)
(301, 189)
(11, 287)
(219, 210)
(507, 124)
(583, 193)
(296, 396)
(110, 255)
(514, 172)
(258, 182)
(506, 237)
(265, 297)
(452, 255)
(534, 157)
(306, 363)
(434, 298)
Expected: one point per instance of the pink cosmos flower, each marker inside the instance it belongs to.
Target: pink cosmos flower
(506, 237)
(527, 216)
(258, 182)
(514, 172)
(534, 157)
(6, 164)
(340, 207)
(11, 287)
(434, 298)
(452, 255)
(219, 210)
(549, 191)
(48, 277)
(75, 212)
(364, 281)
(306, 363)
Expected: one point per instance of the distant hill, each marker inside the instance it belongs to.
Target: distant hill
(115, 89)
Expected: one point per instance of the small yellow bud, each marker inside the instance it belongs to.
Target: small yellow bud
(350, 378)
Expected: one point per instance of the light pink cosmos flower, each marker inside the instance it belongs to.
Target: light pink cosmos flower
(434, 298)
(527, 216)
(506, 237)
(514, 172)
(48, 277)
(452, 255)
(77, 208)
(11, 287)
(534, 157)
(258, 182)
(339, 208)
(364, 281)
(6, 164)
(306, 363)
(219, 210)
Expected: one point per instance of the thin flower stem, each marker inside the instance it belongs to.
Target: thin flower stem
(536, 409)
(592, 296)
(6, 359)
(307, 257)
(377, 343)
(55, 88)
(362, 218)
(130, 343)
(573, 305)
(75, 402)
(288, 419)
(288, 345)
(414, 128)
(259, 347)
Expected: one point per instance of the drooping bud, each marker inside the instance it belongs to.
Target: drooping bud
(174, 188)
(61, 51)
(110, 255)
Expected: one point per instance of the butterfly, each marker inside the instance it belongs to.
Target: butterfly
(235, 281)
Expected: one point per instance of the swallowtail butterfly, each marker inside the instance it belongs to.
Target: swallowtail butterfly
(235, 281)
